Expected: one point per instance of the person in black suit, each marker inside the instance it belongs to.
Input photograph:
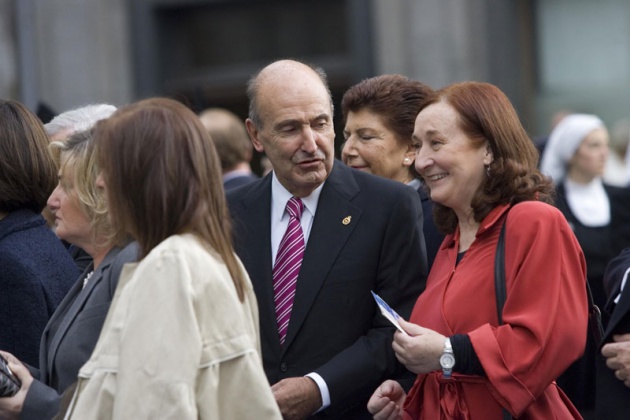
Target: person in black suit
(233, 146)
(361, 233)
(73, 330)
(575, 158)
(612, 400)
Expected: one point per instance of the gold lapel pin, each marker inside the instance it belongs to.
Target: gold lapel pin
(346, 220)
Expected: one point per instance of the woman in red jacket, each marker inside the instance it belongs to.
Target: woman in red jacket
(480, 167)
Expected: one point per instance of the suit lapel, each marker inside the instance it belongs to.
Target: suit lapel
(255, 226)
(621, 310)
(45, 355)
(76, 304)
(335, 220)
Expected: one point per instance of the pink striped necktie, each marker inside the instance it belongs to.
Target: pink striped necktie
(287, 266)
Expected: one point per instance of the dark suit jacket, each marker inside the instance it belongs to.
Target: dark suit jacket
(612, 396)
(36, 272)
(239, 181)
(432, 236)
(335, 329)
(72, 333)
(601, 244)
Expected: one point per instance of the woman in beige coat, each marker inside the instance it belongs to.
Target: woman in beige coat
(181, 339)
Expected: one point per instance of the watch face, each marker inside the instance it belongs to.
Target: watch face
(447, 361)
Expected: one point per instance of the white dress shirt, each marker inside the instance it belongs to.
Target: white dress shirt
(623, 284)
(279, 222)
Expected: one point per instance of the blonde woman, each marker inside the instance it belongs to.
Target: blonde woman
(181, 340)
(80, 217)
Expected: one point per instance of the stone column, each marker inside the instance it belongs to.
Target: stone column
(8, 66)
(83, 52)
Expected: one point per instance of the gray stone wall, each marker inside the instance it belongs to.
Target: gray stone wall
(440, 42)
(435, 41)
(78, 52)
(66, 53)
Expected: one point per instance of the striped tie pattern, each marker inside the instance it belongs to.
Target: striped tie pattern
(287, 266)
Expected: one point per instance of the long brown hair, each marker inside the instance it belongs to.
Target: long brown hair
(163, 178)
(485, 113)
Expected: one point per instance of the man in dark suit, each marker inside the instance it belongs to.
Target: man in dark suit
(613, 365)
(361, 233)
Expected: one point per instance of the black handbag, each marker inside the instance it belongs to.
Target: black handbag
(9, 383)
(594, 314)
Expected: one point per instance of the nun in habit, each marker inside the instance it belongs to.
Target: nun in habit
(599, 214)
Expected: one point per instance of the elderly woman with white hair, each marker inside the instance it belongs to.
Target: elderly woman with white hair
(59, 129)
(78, 119)
(575, 158)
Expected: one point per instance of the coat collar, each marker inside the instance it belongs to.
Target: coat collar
(20, 220)
(493, 218)
(75, 301)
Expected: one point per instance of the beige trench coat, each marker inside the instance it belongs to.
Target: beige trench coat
(177, 344)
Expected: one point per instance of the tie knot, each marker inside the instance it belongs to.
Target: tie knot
(295, 206)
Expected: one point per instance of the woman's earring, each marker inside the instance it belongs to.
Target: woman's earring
(488, 170)
(407, 160)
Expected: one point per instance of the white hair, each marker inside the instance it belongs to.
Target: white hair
(79, 119)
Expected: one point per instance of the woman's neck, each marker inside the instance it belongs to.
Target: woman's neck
(3, 214)
(405, 177)
(97, 253)
(580, 177)
(468, 228)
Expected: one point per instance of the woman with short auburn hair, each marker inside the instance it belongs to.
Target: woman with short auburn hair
(379, 115)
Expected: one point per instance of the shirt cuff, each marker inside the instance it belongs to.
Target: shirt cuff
(323, 390)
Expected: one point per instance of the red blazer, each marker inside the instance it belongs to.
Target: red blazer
(545, 318)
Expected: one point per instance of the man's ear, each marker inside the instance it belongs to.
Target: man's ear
(252, 130)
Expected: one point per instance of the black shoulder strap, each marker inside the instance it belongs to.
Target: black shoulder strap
(499, 273)
(594, 317)
(595, 323)
(499, 285)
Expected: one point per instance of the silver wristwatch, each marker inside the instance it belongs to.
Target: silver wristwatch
(447, 360)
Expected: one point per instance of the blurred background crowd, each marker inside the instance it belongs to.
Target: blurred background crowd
(546, 55)
(563, 64)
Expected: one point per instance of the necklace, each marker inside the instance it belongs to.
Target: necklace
(87, 278)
